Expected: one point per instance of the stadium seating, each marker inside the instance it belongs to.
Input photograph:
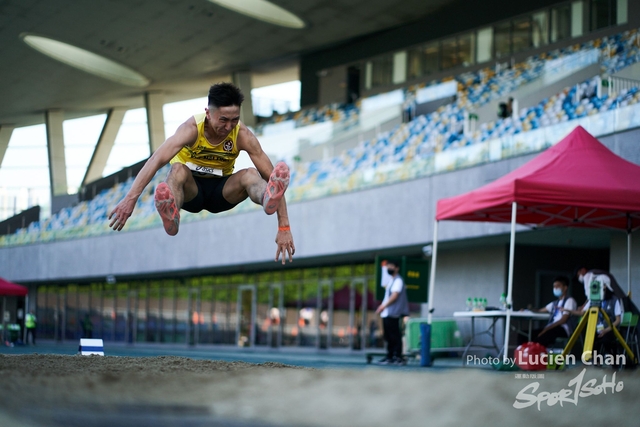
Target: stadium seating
(406, 151)
(346, 114)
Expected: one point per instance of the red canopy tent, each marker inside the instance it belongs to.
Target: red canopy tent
(576, 183)
(11, 289)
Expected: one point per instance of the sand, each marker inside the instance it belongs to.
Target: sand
(39, 390)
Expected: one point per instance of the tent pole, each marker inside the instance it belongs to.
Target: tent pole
(432, 273)
(507, 323)
(24, 319)
(4, 324)
(629, 255)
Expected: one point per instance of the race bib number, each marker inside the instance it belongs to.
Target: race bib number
(203, 170)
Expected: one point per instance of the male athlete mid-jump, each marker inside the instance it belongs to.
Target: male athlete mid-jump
(202, 154)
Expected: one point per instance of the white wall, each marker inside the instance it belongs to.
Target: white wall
(618, 261)
(473, 272)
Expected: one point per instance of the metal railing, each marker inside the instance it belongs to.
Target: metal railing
(618, 84)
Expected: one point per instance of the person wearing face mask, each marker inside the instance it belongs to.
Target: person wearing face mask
(393, 308)
(586, 277)
(609, 303)
(559, 314)
(608, 281)
(613, 301)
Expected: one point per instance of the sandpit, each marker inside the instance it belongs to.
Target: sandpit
(56, 390)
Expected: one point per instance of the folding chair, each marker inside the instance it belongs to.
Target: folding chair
(630, 322)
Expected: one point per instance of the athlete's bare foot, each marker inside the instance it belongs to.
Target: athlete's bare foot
(166, 206)
(277, 185)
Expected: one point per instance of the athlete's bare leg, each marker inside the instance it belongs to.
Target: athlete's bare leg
(242, 184)
(182, 185)
(171, 194)
(249, 183)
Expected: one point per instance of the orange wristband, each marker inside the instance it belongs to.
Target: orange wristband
(287, 228)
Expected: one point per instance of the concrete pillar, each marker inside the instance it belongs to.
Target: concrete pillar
(55, 150)
(104, 146)
(5, 137)
(243, 81)
(154, 102)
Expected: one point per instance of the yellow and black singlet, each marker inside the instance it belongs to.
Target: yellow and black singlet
(206, 160)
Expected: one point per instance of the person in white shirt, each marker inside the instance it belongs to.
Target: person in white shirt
(609, 303)
(393, 308)
(587, 277)
(558, 325)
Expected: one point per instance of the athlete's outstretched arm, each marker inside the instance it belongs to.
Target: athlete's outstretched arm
(186, 134)
(248, 142)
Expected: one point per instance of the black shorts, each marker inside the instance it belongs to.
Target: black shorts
(209, 196)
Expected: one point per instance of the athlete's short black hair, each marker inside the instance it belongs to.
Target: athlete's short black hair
(224, 95)
(562, 279)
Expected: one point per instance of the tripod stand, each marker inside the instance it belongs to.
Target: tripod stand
(590, 320)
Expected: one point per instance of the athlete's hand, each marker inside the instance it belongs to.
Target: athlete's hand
(284, 240)
(121, 213)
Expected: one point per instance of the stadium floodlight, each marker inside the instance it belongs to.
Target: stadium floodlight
(85, 60)
(263, 10)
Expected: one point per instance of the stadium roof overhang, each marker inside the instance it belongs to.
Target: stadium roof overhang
(178, 48)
